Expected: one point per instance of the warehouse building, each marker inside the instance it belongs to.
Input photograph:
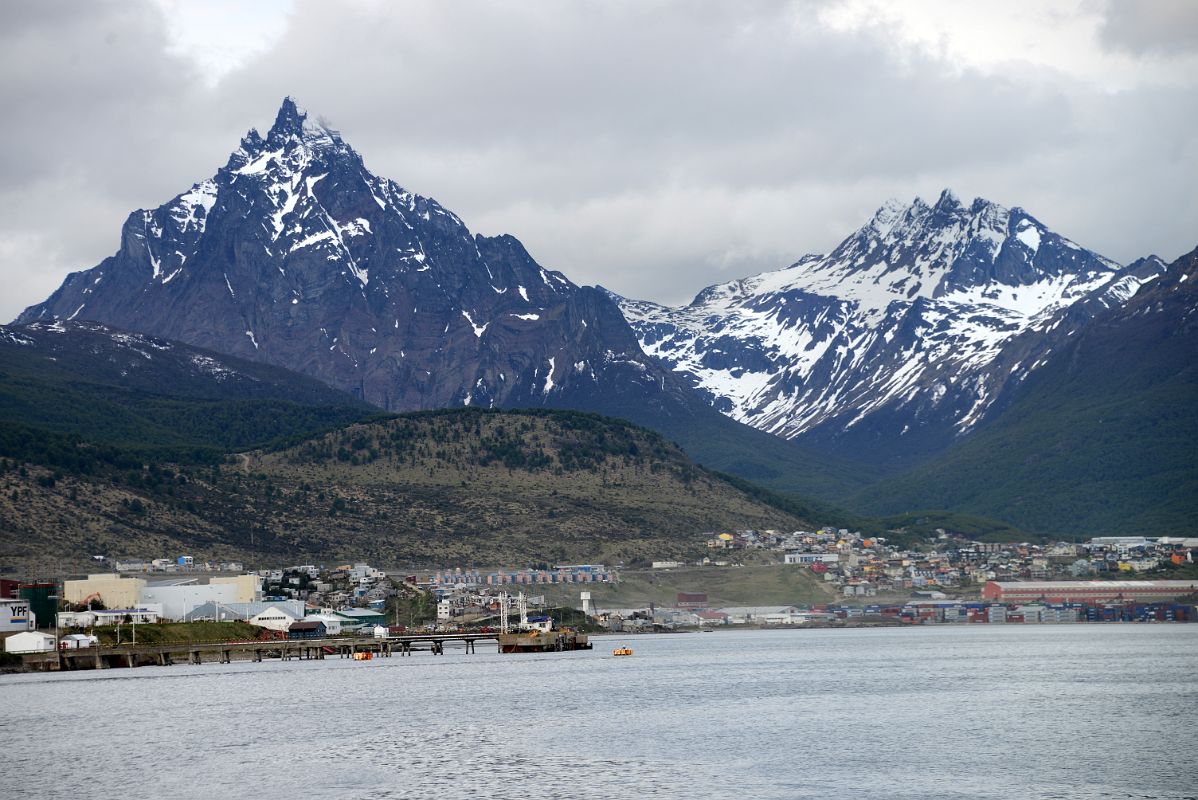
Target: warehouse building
(275, 618)
(1087, 591)
(227, 612)
(30, 642)
(109, 588)
(179, 596)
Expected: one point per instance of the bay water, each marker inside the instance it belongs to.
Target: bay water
(979, 711)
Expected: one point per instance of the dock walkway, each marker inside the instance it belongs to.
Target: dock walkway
(166, 654)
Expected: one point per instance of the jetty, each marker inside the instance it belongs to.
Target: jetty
(166, 654)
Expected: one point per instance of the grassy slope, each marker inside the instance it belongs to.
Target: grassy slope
(773, 584)
(172, 632)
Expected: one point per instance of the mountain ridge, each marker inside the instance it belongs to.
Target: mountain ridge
(884, 344)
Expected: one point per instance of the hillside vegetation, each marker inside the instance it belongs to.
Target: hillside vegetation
(80, 397)
(463, 486)
(1100, 440)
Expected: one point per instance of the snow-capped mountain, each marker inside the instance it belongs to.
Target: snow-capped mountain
(295, 254)
(892, 339)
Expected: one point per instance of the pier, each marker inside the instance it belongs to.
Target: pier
(167, 654)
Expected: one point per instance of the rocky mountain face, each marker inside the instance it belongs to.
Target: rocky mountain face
(902, 339)
(294, 254)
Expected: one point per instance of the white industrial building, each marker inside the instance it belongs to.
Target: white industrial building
(76, 619)
(762, 615)
(811, 558)
(76, 641)
(232, 612)
(332, 623)
(275, 618)
(143, 615)
(30, 642)
(178, 597)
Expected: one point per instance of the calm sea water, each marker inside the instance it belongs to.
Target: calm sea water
(1099, 711)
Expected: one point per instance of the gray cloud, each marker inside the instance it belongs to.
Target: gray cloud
(651, 147)
(1150, 26)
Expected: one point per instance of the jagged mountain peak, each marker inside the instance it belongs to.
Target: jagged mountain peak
(983, 252)
(948, 200)
(295, 138)
(294, 123)
(295, 254)
(290, 119)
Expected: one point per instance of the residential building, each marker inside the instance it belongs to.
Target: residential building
(306, 629)
(811, 558)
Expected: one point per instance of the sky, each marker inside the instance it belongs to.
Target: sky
(653, 147)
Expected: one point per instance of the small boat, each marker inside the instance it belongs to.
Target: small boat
(622, 651)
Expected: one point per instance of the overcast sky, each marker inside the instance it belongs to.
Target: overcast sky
(652, 147)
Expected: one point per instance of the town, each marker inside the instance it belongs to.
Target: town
(863, 580)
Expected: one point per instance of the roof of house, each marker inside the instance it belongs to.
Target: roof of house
(1066, 585)
(306, 625)
(280, 609)
(357, 613)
